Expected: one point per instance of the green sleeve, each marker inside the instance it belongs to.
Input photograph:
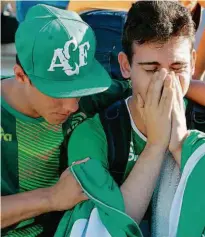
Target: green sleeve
(191, 143)
(192, 213)
(88, 140)
(118, 90)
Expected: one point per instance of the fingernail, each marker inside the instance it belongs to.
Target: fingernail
(85, 160)
(164, 70)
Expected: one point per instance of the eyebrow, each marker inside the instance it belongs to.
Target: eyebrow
(158, 64)
(149, 63)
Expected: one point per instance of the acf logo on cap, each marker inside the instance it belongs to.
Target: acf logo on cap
(64, 57)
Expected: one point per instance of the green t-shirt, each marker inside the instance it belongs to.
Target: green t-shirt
(30, 148)
(94, 143)
(91, 139)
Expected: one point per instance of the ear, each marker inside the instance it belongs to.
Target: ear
(20, 75)
(193, 61)
(124, 65)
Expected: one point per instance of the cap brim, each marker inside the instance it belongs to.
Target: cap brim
(98, 80)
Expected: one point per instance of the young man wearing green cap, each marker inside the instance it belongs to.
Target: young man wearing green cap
(55, 67)
(159, 59)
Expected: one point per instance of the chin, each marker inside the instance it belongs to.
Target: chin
(54, 121)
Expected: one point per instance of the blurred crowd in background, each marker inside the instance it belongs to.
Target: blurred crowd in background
(13, 12)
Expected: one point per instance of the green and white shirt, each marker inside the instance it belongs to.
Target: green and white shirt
(91, 139)
(30, 149)
(93, 143)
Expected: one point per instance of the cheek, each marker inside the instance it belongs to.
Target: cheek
(35, 99)
(44, 104)
(140, 83)
(185, 81)
(51, 106)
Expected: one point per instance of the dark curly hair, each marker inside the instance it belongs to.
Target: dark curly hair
(156, 21)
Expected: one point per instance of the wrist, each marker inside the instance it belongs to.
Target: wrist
(155, 148)
(49, 197)
(177, 155)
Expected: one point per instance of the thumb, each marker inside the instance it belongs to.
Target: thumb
(80, 161)
(84, 197)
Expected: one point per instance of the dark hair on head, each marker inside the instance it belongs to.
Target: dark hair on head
(156, 21)
(19, 63)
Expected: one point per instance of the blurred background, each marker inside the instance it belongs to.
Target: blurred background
(13, 12)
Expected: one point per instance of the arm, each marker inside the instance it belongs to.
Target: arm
(196, 92)
(23, 206)
(138, 188)
(200, 60)
(65, 194)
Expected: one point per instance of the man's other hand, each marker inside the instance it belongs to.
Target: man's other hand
(66, 193)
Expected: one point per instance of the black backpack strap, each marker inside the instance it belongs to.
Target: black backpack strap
(195, 116)
(116, 123)
(63, 158)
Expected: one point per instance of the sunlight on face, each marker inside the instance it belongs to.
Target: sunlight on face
(174, 55)
(53, 110)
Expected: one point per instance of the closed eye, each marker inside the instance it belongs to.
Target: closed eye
(177, 70)
(152, 71)
(181, 69)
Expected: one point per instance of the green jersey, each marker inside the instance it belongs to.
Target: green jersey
(91, 139)
(187, 214)
(30, 148)
(94, 143)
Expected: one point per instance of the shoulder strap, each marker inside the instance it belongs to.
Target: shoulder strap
(63, 157)
(116, 123)
(195, 116)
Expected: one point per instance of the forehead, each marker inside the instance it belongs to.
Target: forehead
(176, 49)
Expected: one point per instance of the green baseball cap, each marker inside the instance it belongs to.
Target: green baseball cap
(56, 49)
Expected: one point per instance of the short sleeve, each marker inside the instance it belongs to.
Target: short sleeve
(193, 142)
(88, 140)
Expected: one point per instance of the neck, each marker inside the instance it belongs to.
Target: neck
(14, 94)
(136, 116)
